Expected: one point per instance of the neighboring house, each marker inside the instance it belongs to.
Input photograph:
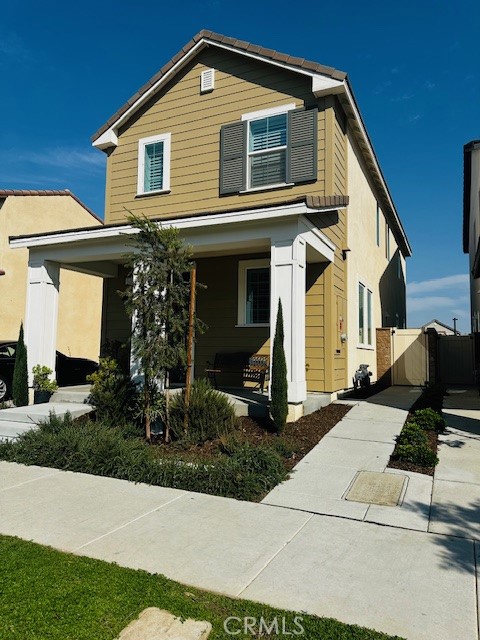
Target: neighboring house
(263, 162)
(80, 307)
(441, 328)
(471, 234)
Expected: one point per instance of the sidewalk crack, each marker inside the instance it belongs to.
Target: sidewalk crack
(270, 560)
(126, 524)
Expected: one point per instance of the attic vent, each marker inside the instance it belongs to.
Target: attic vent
(207, 80)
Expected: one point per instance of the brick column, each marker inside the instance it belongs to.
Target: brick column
(384, 356)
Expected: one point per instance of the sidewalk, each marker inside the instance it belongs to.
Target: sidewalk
(363, 440)
(456, 492)
(412, 583)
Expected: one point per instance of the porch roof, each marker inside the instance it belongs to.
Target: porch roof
(313, 204)
(99, 250)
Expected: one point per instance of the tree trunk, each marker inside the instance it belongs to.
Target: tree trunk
(148, 430)
(191, 329)
(167, 408)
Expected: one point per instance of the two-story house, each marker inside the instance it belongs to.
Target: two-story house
(263, 162)
(471, 235)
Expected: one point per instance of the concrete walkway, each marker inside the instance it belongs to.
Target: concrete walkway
(363, 440)
(456, 491)
(414, 583)
(18, 420)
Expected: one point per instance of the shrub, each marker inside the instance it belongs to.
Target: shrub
(20, 373)
(430, 420)
(113, 394)
(41, 379)
(279, 386)
(412, 434)
(246, 473)
(211, 415)
(416, 454)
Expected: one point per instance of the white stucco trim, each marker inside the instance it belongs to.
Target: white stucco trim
(272, 111)
(195, 222)
(322, 85)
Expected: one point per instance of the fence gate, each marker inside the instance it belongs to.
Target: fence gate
(410, 357)
(455, 359)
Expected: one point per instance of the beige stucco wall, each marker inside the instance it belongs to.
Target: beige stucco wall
(80, 299)
(367, 263)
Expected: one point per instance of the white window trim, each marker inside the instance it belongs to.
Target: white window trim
(366, 288)
(243, 267)
(166, 138)
(272, 111)
(260, 115)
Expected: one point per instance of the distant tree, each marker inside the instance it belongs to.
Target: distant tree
(159, 303)
(20, 373)
(279, 386)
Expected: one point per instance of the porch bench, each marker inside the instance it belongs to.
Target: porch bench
(246, 366)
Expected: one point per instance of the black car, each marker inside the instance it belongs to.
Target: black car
(69, 371)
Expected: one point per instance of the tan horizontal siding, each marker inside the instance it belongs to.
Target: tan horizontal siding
(194, 121)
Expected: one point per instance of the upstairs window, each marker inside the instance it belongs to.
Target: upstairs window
(154, 164)
(267, 149)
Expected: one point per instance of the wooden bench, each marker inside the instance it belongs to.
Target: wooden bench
(240, 367)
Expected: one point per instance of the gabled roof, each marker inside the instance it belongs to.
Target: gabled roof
(6, 193)
(206, 37)
(442, 324)
(467, 183)
(325, 81)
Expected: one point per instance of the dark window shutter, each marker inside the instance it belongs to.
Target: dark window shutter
(302, 145)
(233, 149)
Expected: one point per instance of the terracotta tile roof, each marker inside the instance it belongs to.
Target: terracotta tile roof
(241, 45)
(5, 193)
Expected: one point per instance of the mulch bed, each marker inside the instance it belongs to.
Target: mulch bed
(298, 437)
(301, 435)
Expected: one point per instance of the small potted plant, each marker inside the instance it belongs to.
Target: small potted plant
(43, 387)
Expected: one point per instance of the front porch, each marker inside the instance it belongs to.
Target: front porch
(247, 260)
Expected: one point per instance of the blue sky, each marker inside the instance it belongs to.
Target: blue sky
(414, 67)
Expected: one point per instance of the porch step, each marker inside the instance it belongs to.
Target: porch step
(77, 395)
(17, 420)
(11, 430)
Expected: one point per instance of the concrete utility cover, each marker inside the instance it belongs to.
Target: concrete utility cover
(157, 624)
(377, 488)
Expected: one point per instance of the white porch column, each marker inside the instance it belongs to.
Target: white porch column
(41, 313)
(287, 282)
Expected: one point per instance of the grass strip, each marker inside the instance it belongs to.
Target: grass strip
(50, 595)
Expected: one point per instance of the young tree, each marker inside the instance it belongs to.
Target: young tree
(159, 303)
(279, 388)
(20, 373)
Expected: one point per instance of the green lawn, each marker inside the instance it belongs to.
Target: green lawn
(46, 594)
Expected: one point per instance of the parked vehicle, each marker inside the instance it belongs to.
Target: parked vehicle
(69, 371)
